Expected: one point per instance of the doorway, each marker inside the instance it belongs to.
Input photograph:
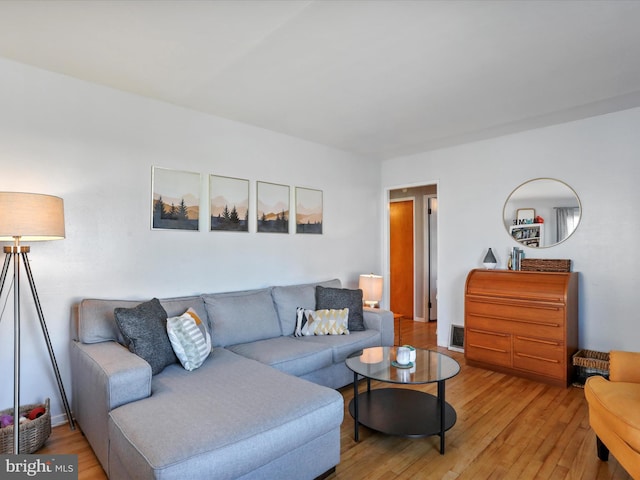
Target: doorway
(412, 246)
(401, 257)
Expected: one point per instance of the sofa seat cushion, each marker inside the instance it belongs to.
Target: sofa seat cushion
(344, 345)
(246, 414)
(241, 317)
(287, 354)
(616, 403)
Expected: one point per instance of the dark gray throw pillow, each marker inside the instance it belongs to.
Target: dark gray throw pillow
(338, 298)
(144, 327)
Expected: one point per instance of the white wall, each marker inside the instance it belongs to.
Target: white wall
(599, 158)
(95, 147)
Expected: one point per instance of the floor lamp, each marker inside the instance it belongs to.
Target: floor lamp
(29, 217)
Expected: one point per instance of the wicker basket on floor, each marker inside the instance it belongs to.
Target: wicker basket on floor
(33, 433)
(588, 363)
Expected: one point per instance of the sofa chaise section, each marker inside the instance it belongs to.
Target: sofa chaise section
(105, 374)
(210, 431)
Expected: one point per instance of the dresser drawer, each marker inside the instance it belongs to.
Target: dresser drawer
(534, 320)
(489, 347)
(539, 355)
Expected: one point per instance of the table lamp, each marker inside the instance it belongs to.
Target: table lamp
(29, 217)
(371, 286)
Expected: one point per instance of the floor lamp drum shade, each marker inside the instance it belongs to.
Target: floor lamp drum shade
(31, 217)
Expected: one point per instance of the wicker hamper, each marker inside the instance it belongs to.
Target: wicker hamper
(33, 433)
(588, 363)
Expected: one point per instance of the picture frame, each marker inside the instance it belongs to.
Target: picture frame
(272, 207)
(175, 199)
(525, 216)
(309, 211)
(228, 204)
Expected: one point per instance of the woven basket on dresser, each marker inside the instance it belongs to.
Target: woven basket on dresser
(33, 434)
(545, 265)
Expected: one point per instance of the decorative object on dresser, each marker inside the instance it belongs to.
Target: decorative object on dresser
(545, 265)
(523, 323)
(489, 261)
(516, 257)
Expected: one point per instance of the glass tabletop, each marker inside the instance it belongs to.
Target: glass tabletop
(377, 363)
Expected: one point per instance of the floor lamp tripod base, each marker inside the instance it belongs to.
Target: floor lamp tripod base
(19, 255)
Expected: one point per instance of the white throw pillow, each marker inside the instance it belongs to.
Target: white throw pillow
(321, 322)
(189, 338)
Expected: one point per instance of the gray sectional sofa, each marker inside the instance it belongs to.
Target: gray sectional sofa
(263, 405)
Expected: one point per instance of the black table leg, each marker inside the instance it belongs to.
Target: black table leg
(441, 403)
(355, 407)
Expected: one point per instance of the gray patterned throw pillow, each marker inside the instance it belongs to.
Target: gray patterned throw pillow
(144, 329)
(339, 298)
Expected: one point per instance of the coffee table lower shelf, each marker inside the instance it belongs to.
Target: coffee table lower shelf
(402, 412)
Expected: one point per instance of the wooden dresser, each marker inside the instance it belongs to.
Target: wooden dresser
(523, 323)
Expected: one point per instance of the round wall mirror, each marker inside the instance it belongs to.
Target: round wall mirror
(542, 212)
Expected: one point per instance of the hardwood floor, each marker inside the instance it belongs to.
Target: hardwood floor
(507, 428)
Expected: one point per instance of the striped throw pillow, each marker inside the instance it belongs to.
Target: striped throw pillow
(189, 338)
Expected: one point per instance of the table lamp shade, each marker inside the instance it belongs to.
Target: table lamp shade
(31, 216)
(371, 286)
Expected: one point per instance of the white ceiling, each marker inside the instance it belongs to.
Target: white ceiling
(381, 78)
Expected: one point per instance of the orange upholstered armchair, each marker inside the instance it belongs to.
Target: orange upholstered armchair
(614, 410)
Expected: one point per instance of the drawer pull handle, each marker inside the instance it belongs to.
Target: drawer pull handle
(537, 358)
(537, 340)
(495, 334)
(488, 348)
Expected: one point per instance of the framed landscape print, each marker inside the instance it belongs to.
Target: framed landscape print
(175, 203)
(273, 207)
(308, 210)
(229, 204)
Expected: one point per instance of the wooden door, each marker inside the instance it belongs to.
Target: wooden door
(401, 257)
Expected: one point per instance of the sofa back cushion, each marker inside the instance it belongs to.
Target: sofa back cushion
(241, 317)
(288, 298)
(96, 322)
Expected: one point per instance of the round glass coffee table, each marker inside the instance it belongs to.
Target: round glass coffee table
(402, 411)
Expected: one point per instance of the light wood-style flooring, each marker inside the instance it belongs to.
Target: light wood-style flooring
(507, 428)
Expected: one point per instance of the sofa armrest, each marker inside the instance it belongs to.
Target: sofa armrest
(381, 320)
(624, 366)
(104, 376)
(113, 372)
